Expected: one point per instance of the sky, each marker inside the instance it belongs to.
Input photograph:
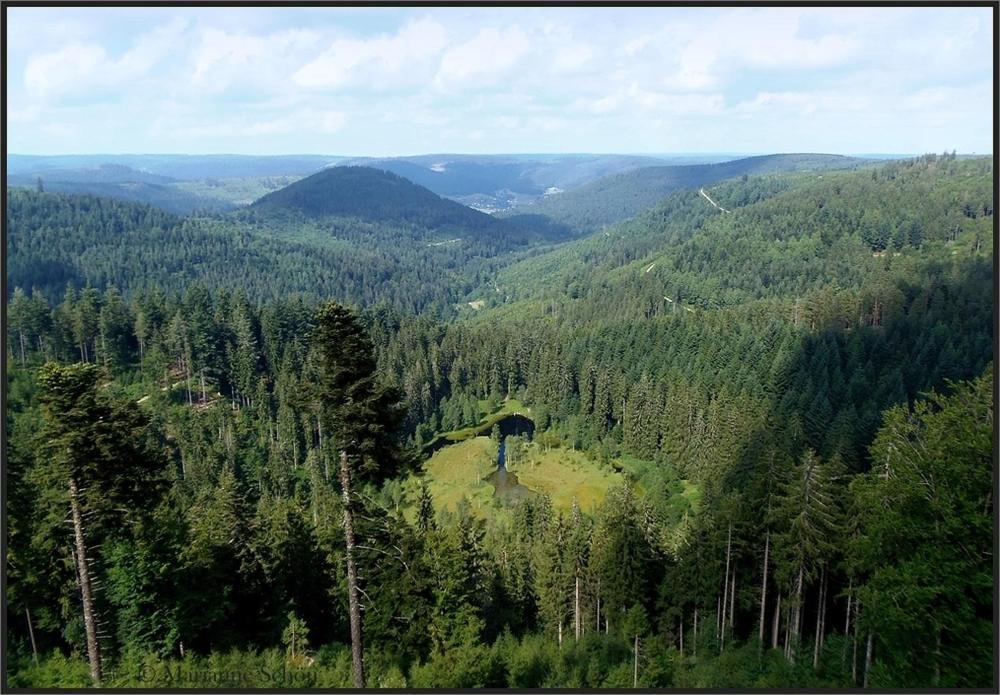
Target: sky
(398, 81)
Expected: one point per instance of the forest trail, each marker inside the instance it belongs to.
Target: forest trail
(703, 194)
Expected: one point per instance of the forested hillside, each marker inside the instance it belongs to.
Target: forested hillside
(786, 397)
(420, 254)
(375, 195)
(621, 196)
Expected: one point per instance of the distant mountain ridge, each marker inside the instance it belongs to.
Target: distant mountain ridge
(621, 196)
(497, 182)
(183, 167)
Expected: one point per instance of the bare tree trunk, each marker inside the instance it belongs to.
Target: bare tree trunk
(796, 617)
(936, 682)
(560, 634)
(576, 608)
(822, 622)
(694, 647)
(635, 664)
(763, 590)
(354, 602)
(788, 627)
(83, 569)
(776, 623)
(680, 633)
(725, 589)
(868, 659)
(718, 616)
(819, 621)
(597, 625)
(854, 660)
(31, 634)
(847, 622)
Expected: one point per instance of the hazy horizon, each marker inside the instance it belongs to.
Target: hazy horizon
(720, 153)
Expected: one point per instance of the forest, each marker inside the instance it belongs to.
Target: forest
(227, 436)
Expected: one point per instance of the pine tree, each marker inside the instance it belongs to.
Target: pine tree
(361, 417)
(96, 457)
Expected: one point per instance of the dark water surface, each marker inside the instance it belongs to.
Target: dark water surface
(508, 489)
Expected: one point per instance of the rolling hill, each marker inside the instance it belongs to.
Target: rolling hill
(497, 182)
(621, 196)
(372, 195)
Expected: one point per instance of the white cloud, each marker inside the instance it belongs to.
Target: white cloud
(634, 98)
(380, 61)
(53, 74)
(483, 59)
(572, 57)
(707, 51)
(78, 68)
(805, 103)
(306, 122)
(223, 59)
(531, 78)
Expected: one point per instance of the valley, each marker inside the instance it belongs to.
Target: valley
(647, 410)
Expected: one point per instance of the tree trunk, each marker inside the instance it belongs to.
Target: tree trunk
(560, 634)
(694, 647)
(21, 335)
(763, 590)
(635, 664)
(819, 621)
(847, 622)
(822, 622)
(354, 602)
(31, 634)
(796, 617)
(725, 589)
(854, 660)
(776, 623)
(788, 627)
(83, 569)
(868, 659)
(597, 625)
(680, 633)
(936, 682)
(718, 616)
(576, 609)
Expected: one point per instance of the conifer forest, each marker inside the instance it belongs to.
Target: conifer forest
(486, 421)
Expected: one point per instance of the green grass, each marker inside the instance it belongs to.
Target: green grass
(457, 472)
(460, 471)
(566, 475)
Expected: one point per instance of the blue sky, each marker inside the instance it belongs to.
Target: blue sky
(372, 81)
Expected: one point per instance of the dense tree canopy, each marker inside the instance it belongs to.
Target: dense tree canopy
(801, 421)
